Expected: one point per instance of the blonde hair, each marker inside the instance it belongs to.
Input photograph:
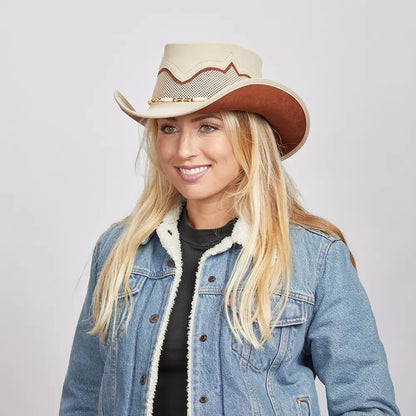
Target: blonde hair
(264, 196)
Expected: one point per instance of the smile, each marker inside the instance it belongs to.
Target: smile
(193, 170)
(192, 174)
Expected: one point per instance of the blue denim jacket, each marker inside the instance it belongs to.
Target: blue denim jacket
(327, 330)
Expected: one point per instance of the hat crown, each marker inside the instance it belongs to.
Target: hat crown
(195, 71)
(184, 60)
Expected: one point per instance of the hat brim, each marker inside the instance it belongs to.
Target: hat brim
(281, 107)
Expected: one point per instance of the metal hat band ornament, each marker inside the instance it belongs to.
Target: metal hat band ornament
(209, 77)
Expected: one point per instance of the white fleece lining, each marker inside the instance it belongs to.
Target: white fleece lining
(168, 235)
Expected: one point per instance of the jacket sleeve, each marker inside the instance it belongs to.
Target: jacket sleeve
(83, 379)
(347, 353)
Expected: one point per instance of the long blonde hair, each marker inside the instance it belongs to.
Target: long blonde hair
(264, 196)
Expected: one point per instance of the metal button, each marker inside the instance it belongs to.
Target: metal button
(154, 318)
(143, 379)
(203, 338)
(170, 262)
(211, 279)
(203, 399)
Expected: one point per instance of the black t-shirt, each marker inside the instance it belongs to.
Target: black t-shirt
(170, 398)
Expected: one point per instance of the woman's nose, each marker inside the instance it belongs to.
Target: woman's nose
(187, 145)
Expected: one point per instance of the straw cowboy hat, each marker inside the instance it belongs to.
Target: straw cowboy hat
(209, 77)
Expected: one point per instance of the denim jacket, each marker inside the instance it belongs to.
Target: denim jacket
(327, 330)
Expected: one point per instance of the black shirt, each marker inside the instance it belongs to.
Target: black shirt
(170, 398)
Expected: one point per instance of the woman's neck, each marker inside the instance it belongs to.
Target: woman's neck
(209, 215)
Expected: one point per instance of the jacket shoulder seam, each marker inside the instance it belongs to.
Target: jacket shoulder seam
(323, 255)
(316, 232)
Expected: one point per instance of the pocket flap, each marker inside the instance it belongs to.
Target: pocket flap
(135, 283)
(293, 314)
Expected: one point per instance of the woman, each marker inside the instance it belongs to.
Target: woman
(220, 294)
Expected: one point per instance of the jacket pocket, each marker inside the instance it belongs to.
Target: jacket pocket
(136, 281)
(277, 349)
(304, 406)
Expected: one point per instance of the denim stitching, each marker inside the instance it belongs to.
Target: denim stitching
(304, 400)
(113, 377)
(151, 275)
(253, 399)
(283, 346)
(321, 260)
(220, 365)
(135, 290)
(278, 360)
(302, 297)
(298, 296)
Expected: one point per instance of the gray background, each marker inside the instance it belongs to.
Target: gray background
(68, 152)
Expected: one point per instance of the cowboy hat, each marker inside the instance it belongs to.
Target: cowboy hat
(208, 77)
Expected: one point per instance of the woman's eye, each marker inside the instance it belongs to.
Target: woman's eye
(168, 129)
(207, 128)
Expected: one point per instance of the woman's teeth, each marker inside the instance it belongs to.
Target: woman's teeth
(193, 170)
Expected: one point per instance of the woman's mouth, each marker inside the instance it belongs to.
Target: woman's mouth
(193, 173)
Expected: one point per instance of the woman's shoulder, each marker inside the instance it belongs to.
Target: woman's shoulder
(301, 234)
(109, 236)
(315, 244)
(310, 248)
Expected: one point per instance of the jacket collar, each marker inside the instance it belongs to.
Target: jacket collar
(169, 224)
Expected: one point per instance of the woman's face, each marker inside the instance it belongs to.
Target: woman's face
(196, 156)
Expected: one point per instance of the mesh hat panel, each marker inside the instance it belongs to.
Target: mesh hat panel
(205, 84)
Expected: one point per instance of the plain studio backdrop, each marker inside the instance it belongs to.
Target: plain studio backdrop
(68, 153)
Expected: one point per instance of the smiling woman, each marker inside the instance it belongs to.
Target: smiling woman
(220, 294)
(196, 155)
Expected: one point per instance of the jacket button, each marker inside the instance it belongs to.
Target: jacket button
(170, 232)
(143, 379)
(154, 318)
(203, 338)
(211, 279)
(203, 399)
(170, 263)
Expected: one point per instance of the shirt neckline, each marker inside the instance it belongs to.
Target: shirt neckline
(203, 237)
